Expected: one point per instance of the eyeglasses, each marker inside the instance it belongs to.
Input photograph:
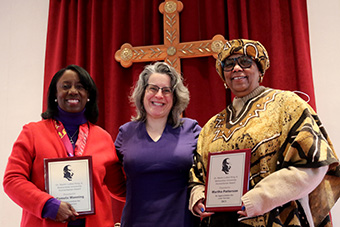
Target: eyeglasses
(243, 61)
(152, 88)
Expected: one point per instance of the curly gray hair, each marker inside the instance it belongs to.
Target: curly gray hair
(180, 92)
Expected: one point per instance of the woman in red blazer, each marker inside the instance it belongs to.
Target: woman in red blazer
(68, 129)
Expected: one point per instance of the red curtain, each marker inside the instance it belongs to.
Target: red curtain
(282, 27)
(89, 32)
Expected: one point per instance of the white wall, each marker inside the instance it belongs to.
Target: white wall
(324, 30)
(23, 27)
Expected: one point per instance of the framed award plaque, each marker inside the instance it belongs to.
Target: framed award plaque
(227, 180)
(70, 180)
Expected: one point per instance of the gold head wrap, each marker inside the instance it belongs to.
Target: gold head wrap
(253, 49)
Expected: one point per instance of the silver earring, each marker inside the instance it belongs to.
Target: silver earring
(56, 100)
(88, 100)
(225, 86)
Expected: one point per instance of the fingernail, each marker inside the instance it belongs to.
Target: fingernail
(202, 209)
(243, 208)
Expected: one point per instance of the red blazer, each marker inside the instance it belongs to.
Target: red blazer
(24, 175)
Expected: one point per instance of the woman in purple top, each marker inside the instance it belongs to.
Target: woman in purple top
(156, 149)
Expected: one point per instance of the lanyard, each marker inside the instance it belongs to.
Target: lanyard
(81, 141)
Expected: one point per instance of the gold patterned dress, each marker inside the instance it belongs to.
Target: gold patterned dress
(283, 132)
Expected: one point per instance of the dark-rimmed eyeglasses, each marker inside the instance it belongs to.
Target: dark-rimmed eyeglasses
(152, 88)
(243, 61)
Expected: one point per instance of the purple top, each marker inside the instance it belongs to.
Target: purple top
(71, 122)
(157, 174)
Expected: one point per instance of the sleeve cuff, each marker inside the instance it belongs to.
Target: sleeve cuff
(196, 194)
(51, 208)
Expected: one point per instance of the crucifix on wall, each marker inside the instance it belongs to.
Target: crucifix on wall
(172, 50)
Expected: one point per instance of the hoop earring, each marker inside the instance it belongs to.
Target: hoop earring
(225, 86)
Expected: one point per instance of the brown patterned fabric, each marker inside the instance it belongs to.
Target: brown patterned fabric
(253, 49)
(282, 130)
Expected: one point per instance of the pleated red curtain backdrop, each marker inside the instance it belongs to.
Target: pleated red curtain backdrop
(89, 32)
(282, 27)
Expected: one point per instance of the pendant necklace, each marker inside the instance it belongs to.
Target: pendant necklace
(71, 137)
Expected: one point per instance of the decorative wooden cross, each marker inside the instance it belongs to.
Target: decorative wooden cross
(172, 50)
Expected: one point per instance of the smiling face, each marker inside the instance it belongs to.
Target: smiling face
(242, 81)
(158, 105)
(71, 94)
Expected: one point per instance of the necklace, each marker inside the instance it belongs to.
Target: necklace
(71, 137)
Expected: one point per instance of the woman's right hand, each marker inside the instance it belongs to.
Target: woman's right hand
(199, 209)
(66, 213)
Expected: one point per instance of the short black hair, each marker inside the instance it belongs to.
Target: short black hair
(91, 112)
